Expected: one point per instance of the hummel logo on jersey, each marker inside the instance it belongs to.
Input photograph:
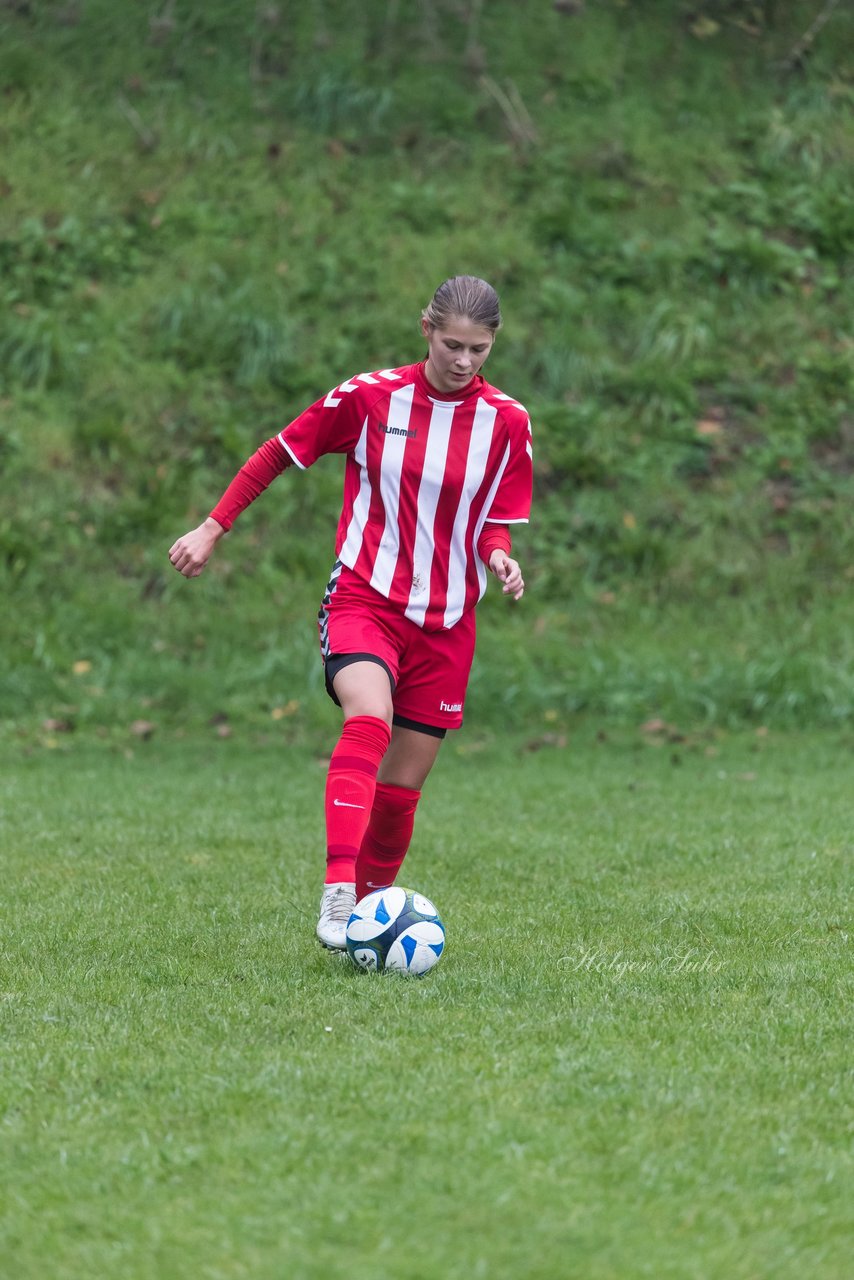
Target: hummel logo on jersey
(397, 431)
(450, 706)
(342, 804)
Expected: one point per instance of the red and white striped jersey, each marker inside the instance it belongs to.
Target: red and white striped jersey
(424, 472)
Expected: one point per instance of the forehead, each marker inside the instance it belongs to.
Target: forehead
(461, 329)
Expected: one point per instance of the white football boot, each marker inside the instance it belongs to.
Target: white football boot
(336, 906)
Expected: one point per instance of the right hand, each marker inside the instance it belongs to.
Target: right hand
(191, 553)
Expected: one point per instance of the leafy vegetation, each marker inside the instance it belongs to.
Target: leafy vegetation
(210, 213)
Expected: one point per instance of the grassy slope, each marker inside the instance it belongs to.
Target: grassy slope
(202, 225)
(631, 1062)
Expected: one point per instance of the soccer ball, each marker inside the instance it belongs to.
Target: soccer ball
(395, 929)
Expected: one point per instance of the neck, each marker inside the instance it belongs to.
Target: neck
(432, 381)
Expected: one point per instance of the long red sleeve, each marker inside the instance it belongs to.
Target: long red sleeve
(493, 537)
(251, 480)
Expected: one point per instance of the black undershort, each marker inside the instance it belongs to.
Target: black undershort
(338, 661)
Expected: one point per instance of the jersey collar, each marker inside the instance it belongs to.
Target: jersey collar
(425, 386)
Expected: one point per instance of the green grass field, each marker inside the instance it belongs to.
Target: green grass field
(634, 1059)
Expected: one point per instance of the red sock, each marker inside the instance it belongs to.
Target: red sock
(350, 785)
(387, 838)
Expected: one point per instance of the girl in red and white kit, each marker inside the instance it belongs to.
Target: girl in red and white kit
(437, 467)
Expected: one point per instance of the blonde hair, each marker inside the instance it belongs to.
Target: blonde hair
(464, 298)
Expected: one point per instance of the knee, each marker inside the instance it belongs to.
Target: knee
(366, 702)
(367, 707)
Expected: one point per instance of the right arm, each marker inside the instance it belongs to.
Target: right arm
(190, 554)
(331, 425)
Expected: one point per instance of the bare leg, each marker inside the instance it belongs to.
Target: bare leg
(364, 689)
(410, 757)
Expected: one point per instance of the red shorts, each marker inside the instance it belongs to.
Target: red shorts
(429, 670)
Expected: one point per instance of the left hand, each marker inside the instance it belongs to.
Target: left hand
(507, 571)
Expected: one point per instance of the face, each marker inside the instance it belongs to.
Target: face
(456, 353)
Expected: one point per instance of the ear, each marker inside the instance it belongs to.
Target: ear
(426, 327)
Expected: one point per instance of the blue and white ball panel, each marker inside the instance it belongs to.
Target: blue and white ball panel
(417, 949)
(375, 912)
(423, 905)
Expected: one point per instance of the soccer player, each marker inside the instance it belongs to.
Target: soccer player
(437, 468)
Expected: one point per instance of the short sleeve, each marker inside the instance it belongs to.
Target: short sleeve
(512, 501)
(330, 425)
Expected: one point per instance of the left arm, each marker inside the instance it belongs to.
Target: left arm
(493, 547)
(507, 571)
(512, 505)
